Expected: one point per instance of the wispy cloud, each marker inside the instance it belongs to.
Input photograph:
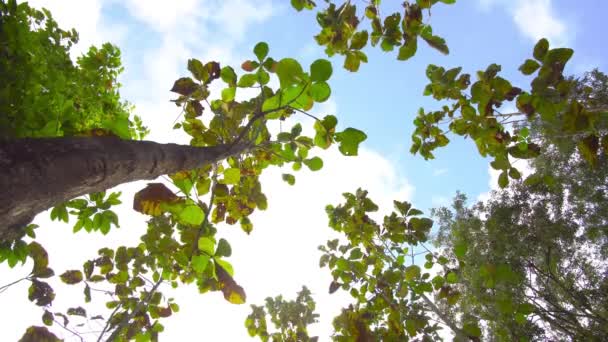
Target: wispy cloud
(439, 172)
(535, 19)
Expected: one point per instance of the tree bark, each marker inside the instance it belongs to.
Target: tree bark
(37, 174)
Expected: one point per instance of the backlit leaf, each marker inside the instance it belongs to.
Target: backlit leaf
(232, 176)
(261, 50)
(349, 141)
(200, 262)
(206, 245)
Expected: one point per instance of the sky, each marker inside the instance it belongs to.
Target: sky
(158, 37)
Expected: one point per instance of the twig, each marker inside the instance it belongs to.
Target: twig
(103, 331)
(5, 287)
(138, 307)
(305, 113)
(68, 329)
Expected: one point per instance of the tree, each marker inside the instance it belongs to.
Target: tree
(83, 121)
(537, 248)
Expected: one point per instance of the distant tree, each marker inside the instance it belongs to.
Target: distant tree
(539, 247)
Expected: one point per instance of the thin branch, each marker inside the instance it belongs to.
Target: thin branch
(123, 323)
(305, 113)
(105, 328)
(68, 329)
(261, 114)
(5, 287)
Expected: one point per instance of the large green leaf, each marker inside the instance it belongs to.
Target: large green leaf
(349, 140)
(320, 70)
(289, 72)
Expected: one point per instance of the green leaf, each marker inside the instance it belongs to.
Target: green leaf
(558, 56)
(324, 131)
(314, 164)
(451, 278)
(232, 176)
(289, 72)
(197, 69)
(223, 249)
(460, 250)
(200, 262)
(261, 50)
(59, 213)
(191, 214)
(203, 186)
(352, 62)
(290, 179)
(320, 70)
(408, 49)
(228, 75)
(225, 265)
(514, 173)
(412, 272)
(247, 80)
(359, 40)
(349, 140)
(206, 245)
(320, 91)
(228, 94)
(437, 43)
(503, 179)
(540, 49)
(529, 67)
(47, 318)
(472, 330)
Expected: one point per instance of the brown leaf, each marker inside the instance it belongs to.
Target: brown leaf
(248, 66)
(41, 293)
(195, 107)
(184, 86)
(214, 70)
(164, 312)
(149, 200)
(79, 311)
(233, 293)
(38, 334)
(333, 287)
(71, 277)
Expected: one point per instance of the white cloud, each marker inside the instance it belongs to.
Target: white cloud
(522, 165)
(162, 16)
(439, 172)
(85, 17)
(535, 19)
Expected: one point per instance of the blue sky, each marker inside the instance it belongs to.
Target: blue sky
(158, 37)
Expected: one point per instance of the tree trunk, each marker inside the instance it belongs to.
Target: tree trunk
(37, 174)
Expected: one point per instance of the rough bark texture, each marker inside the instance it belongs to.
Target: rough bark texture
(37, 174)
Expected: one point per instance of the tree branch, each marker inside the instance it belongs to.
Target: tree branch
(37, 174)
(125, 321)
